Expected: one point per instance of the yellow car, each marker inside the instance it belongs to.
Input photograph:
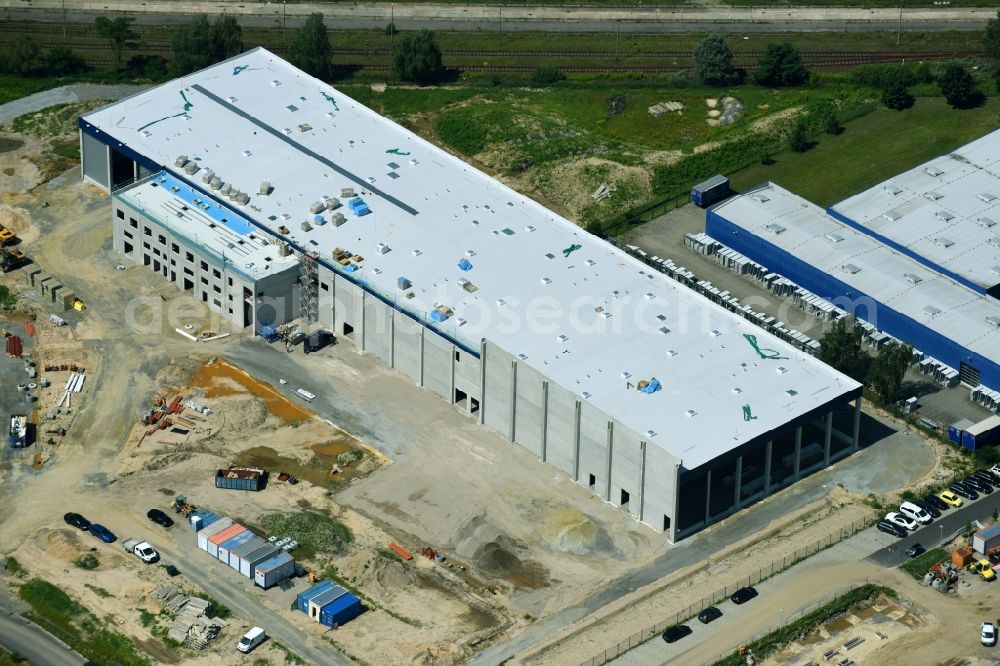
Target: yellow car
(983, 568)
(950, 498)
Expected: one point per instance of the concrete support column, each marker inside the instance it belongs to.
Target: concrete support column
(392, 352)
(611, 455)
(708, 495)
(827, 436)
(111, 184)
(798, 452)
(451, 399)
(642, 480)
(421, 373)
(738, 481)
(513, 399)
(767, 468)
(857, 424)
(576, 442)
(482, 377)
(545, 419)
(361, 325)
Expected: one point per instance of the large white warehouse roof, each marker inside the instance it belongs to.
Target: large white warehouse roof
(946, 212)
(577, 309)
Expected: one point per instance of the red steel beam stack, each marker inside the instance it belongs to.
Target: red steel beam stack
(14, 346)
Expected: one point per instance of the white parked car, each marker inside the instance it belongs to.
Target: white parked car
(988, 634)
(901, 520)
(911, 510)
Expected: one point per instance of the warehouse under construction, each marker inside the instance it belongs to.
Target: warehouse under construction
(272, 197)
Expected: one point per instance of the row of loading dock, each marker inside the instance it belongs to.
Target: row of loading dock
(241, 549)
(329, 604)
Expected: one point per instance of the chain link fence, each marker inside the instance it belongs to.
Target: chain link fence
(775, 566)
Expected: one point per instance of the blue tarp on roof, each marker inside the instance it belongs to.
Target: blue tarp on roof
(465, 265)
(652, 387)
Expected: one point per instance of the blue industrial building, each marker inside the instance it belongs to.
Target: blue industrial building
(927, 309)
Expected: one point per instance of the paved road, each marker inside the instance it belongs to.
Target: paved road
(30, 641)
(632, 19)
(80, 92)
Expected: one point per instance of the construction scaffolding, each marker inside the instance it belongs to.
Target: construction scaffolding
(309, 287)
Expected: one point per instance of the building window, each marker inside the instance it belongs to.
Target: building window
(173, 263)
(217, 289)
(156, 252)
(204, 265)
(189, 257)
(145, 245)
(128, 234)
(457, 356)
(120, 213)
(230, 297)
(162, 239)
(175, 248)
(624, 497)
(230, 311)
(216, 273)
(324, 286)
(204, 280)
(666, 522)
(592, 481)
(216, 303)
(132, 223)
(128, 248)
(188, 271)
(146, 231)
(230, 282)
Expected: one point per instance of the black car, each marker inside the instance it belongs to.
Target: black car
(159, 517)
(743, 595)
(677, 632)
(914, 550)
(963, 490)
(709, 614)
(77, 521)
(891, 528)
(932, 510)
(936, 502)
(978, 484)
(986, 476)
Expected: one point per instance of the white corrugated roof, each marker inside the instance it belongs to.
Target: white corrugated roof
(905, 285)
(956, 196)
(566, 303)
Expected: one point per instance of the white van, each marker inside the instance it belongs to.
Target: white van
(915, 512)
(251, 639)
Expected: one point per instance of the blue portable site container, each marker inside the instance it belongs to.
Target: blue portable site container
(340, 611)
(229, 544)
(303, 598)
(710, 191)
(203, 518)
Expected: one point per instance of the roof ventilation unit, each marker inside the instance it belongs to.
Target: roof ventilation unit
(944, 216)
(207, 176)
(891, 215)
(933, 196)
(215, 183)
(834, 238)
(191, 168)
(995, 241)
(347, 192)
(316, 207)
(933, 171)
(337, 219)
(306, 226)
(562, 338)
(690, 413)
(382, 248)
(851, 269)
(333, 203)
(944, 242)
(181, 161)
(995, 270)
(671, 352)
(930, 310)
(985, 222)
(781, 369)
(265, 188)
(760, 197)
(242, 198)
(546, 280)
(994, 319)
(893, 189)
(774, 228)
(226, 189)
(912, 278)
(986, 197)
(284, 249)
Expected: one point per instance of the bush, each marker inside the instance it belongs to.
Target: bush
(314, 531)
(883, 76)
(87, 561)
(546, 76)
(832, 124)
(958, 87)
(897, 98)
(799, 140)
(416, 57)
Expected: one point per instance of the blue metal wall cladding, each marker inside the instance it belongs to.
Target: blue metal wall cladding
(825, 285)
(906, 252)
(109, 140)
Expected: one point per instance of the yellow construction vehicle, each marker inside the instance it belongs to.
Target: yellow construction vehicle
(11, 259)
(6, 235)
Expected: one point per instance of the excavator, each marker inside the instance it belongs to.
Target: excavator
(6, 236)
(11, 259)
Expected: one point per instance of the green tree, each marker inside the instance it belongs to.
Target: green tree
(311, 50)
(841, 348)
(713, 62)
(119, 33)
(544, 76)
(23, 57)
(897, 98)
(958, 86)
(991, 40)
(886, 374)
(417, 58)
(227, 37)
(62, 61)
(192, 47)
(781, 66)
(799, 140)
(831, 124)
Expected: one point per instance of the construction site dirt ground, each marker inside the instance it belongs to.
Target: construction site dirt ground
(528, 542)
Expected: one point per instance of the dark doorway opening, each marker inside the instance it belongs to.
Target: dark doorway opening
(348, 329)
(122, 169)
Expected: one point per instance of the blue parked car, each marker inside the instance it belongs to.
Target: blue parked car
(103, 533)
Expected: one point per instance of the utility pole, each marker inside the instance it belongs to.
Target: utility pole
(392, 41)
(64, 20)
(899, 25)
(500, 8)
(618, 38)
(284, 37)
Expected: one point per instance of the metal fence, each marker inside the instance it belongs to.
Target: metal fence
(776, 565)
(654, 211)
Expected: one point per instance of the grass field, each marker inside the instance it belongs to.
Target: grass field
(918, 566)
(873, 148)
